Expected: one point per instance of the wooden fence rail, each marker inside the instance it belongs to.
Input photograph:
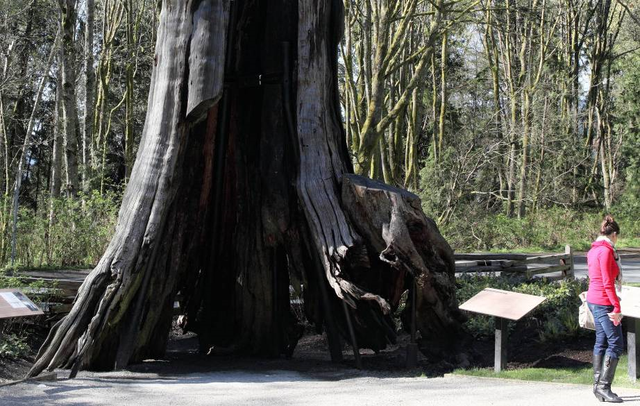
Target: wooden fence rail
(527, 264)
(58, 292)
(67, 282)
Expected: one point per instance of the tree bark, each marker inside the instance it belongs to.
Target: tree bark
(89, 87)
(58, 140)
(408, 244)
(55, 174)
(69, 110)
(132, 36)
(113, 12)
(240, 191)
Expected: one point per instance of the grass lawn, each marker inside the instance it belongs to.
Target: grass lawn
(582, 375)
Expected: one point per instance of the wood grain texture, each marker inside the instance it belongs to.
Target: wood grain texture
(207, 56)
(105, 298)
(392, 222)
(318, 133)
(233, 199)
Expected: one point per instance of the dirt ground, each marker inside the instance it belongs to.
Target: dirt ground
(312, 354)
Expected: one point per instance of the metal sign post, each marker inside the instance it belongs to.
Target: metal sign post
(504, 306)
(412, 347)
(633, 341)
(502, 335)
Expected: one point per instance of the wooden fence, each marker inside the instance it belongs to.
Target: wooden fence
(66, 283)
(61, 287)
(527, 264)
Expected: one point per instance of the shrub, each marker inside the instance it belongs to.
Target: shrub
(557, 316)
(13, 346)
(15, 332)
(77, 234)
(545, 230)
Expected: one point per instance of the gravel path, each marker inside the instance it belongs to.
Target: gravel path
(284, 387)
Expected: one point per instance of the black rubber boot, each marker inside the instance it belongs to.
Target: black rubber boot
(603, 388)
(597, 369)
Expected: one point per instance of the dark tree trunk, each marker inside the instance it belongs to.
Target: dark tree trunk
(69, 110)
(240, 189)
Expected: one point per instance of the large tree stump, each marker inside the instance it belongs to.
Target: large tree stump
(241, 188)
(408, 245)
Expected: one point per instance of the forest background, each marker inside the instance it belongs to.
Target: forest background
(517, 122)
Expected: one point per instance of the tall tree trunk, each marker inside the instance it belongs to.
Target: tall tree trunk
(15, 131)
(131, 28)
(58, 139)
(524, 160)
(69, 110)
(411, 146)
(541, 162)
(113, 12)
(443, 91)
(4, 153)
(89, 87)
(55, 182)
(492, 55)
(237, 190)
(507, 38)
(26, 144)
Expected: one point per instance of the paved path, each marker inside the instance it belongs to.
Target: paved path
(294, 388)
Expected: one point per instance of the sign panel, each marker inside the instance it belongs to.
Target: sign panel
(502, 303)
(13, 303)
(630, 302)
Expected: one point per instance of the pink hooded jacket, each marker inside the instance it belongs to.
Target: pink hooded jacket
(603, 271)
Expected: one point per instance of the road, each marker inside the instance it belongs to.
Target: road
(630, 267)
(284, 388)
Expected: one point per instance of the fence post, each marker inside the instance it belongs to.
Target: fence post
(569, 261)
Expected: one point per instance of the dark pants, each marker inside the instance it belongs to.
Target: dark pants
(608, 336)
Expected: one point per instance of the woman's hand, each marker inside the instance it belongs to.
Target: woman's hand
(616, 318)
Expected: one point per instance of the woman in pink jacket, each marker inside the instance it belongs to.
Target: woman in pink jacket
(602, 297)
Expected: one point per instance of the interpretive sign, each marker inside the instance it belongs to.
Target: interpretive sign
(13, 303)
(502, 303)
(504, 306)
(630, 308)
(630, 302)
